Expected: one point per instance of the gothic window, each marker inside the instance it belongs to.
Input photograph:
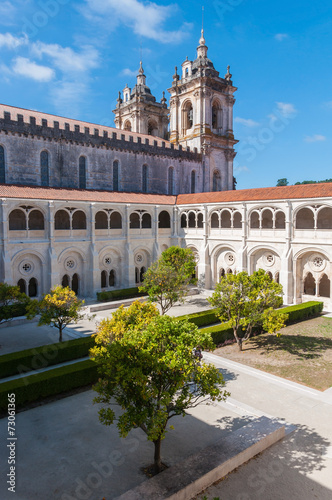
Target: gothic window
(324, 218)
(280, 220)
(65, 281)
(36, 221)
(134, 221)
(193, 182)
(142, 272)
(116, 176)
(116, 220)
(145, 179)
(215, 116)
(136, 275)
(221, 273)
(214, 220)
(200, 220)
(79, 220)
(324, 286)
(103, 279)
(152, 128)
(17, 220)
(22, 286)
(111, 278)
(82, 173)
(146, 221)
(164, 220)
(62, 220)
(44, 168)
(254, 220)
(101, 221)
(225, 219)
(75, 283)
(2, 166)
(127, 125)
(305, 219)
(183, 220)
(309, 285)
(192, 220)
(277, 277)
(269, 275)
(171, 180)
(216, 181)
(187, 117)
(237, 220)
(267, 219)
(32, 289)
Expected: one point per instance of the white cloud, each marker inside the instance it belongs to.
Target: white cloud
(286, 109)
(281, 37)
(66, 59)
(68, 96)
(24, 67)
(238, 169)
(146, 19)
(7, 12)
(246, 122)
(129, 72)
(315, 138)
(12, 42)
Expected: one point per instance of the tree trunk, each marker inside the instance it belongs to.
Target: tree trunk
(238, 340)
(60, 334)
(157, 455)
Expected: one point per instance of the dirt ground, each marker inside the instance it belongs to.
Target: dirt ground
(302, 354)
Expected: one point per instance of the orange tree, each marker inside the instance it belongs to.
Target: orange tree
(149, 372)
(167, 280)
(11, 302)
(59, 308)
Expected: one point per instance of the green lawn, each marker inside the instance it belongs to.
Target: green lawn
(303, 353)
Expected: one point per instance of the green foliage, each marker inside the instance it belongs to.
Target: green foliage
(247, 301)
(300, 312)
(202, 318)
(126, 293)
(313, 182)
(167, 280)
(148, 371)
(12, 302)
(59, 308)
(41, 357)
(39, 386)
(282, 182)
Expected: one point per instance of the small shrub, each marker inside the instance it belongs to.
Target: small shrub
(203, 318)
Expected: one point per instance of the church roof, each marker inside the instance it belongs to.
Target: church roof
(303, 191)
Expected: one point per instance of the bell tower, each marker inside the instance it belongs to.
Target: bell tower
(201, 116)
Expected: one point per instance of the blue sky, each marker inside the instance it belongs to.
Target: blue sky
(72, 57)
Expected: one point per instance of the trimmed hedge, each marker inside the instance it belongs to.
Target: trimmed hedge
(126, 293)
(49, 383)
(299, 312)
(203, 318)
(44, 356)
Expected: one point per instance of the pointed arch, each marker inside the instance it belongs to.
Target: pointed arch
(116, 175)
(216, 181)
(309, 286)
(171, 180)
(82, 173)
(17, 220)
(44, 168)
(193, 182)
(2, 165)
(145, 178)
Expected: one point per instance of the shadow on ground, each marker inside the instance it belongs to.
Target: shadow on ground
(303, 347)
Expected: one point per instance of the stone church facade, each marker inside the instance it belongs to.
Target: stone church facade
(92, 207)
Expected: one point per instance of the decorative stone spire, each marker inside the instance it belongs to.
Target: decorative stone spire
(141, 78)
(164, 100)
(202, 48)
(228, 75)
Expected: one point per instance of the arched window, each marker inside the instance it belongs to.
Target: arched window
(111, 278)
(221, 273)
(193, 182)
(269, 275)
(324, 219)
(200, 220)
(44, 168)
(142, 272)
(36, 221)
(134, 221)
(146, 221)
(277, 277)
(101, 221)
(115, 175)
(324, 286)
(183, 220)
(171, 180)
(116, 220)
(216, 112)
(214, 220)
(145, 179)
(103, 279)
(136, 275)
(127, 126)
(2, 166)
(79, 220)
(75, 284)
(22, 285)
(17, 220)
(225, 219)
(309, 285)
(237, 220)
(33, 289)
(267, 219)
(280, 220)
(82, 173)
(152, 128)
(164, 220)
(192, 220)
(305, 219)
(65, 281)
(62, 220)
(254, 220)
(187, 116)
(229, 271)
(216, 181)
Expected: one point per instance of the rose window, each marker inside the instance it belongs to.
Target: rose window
(70, 264)
(26, 267)
(318, 262)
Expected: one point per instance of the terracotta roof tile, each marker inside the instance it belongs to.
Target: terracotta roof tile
(45, 193)
(273, 193)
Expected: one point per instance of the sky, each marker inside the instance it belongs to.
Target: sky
(71, 58)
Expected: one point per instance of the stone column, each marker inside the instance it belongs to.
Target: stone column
(243, 254)
(128, 257)
(286, 271)
(229, 156)
(94, 282)
(53, 276)
(155, 227)
(6, 261)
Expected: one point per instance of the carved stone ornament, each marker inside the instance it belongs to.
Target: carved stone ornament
(139, 258)
(229, 154)
(107, 260)
(230, 258)
(230, 100)
(26, 267)
(269, 259)
(317, 263)
(70, 263)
